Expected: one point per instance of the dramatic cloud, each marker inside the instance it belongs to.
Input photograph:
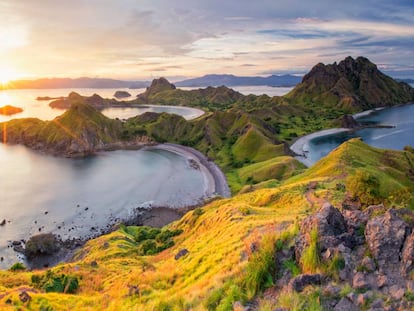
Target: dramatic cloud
(138, 39)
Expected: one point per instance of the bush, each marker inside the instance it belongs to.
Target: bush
(18, 266)
(51, 282)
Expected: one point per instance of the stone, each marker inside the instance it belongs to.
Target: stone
(364, 298)
(377, 304)
(299, 283)
(181, 253)
(348, 121)
(360, 281)
(396, 292)
(385, 236)
(24, 296)
(331, 290)
(345, 305)
(407, 256)
(330, 225)
(382, 281)
(3, 222)
(368, 264)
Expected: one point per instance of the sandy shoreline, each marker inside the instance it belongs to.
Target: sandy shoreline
(215, 182)
(301, 146)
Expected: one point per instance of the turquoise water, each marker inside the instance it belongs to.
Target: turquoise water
(388, 138)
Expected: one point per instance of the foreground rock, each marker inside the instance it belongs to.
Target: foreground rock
(10, 110)
(366, 254)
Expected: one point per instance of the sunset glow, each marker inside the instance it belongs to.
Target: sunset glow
(179, 39)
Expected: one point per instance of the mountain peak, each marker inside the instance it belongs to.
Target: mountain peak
(353, 84)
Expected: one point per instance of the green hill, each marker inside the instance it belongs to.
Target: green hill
(353, 84)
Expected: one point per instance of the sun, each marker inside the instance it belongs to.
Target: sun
(7, 74)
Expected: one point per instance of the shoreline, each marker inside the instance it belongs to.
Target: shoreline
(301, 146)
(215, 180)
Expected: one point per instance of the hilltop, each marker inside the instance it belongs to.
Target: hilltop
(353, 84)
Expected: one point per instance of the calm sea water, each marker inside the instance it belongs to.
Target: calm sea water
(388, 138)
(26, 99)
(79, 197)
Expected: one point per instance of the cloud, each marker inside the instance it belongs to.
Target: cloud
(192, 37)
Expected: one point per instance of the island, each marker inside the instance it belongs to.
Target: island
(10, 110)
(122, 94)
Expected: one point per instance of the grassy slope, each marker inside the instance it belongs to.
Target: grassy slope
(219, 237)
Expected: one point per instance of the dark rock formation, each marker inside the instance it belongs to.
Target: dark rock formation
(407, 256)
(331, 227)
(299, 283)
(385, 236)
(42, 244)
(181, 253)
(348, 121)
(122, 94)
(10, 110)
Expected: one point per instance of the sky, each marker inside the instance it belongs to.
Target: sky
(142, 39)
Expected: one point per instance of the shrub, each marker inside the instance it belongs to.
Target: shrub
(51, 282)
(18, 266)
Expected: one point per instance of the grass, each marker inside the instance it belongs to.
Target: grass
(310, 260)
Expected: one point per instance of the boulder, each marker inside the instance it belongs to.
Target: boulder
(345, 305)
(42, 244)
(360, 281)
(407, 256)
(396, 292)
(299, 283)
(181, 253)
(385, 236)
(24, 297)
(331, 227)
(348, 121)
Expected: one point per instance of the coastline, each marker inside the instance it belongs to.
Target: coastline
(214, 180)
(301, 146)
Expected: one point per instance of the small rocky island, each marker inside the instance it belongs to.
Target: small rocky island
(10, 110)
(122, 94)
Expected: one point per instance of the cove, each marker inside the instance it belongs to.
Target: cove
(318, 145)
(77, 198)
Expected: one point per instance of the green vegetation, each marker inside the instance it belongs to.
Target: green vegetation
(51, 282)
(18, 266)
(310, 260)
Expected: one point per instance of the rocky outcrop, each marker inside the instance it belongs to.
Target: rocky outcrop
(330, 225)
(385, 236)
(10, 110)
(299, 283)
(348, 121)
(354, 84)
(42, 244)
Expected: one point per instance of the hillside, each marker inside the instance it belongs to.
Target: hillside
(80, 131)
(232, 80)
(229, 251)
(353, 85)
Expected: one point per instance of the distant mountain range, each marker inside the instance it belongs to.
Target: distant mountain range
(207, 80)
(231, 80)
